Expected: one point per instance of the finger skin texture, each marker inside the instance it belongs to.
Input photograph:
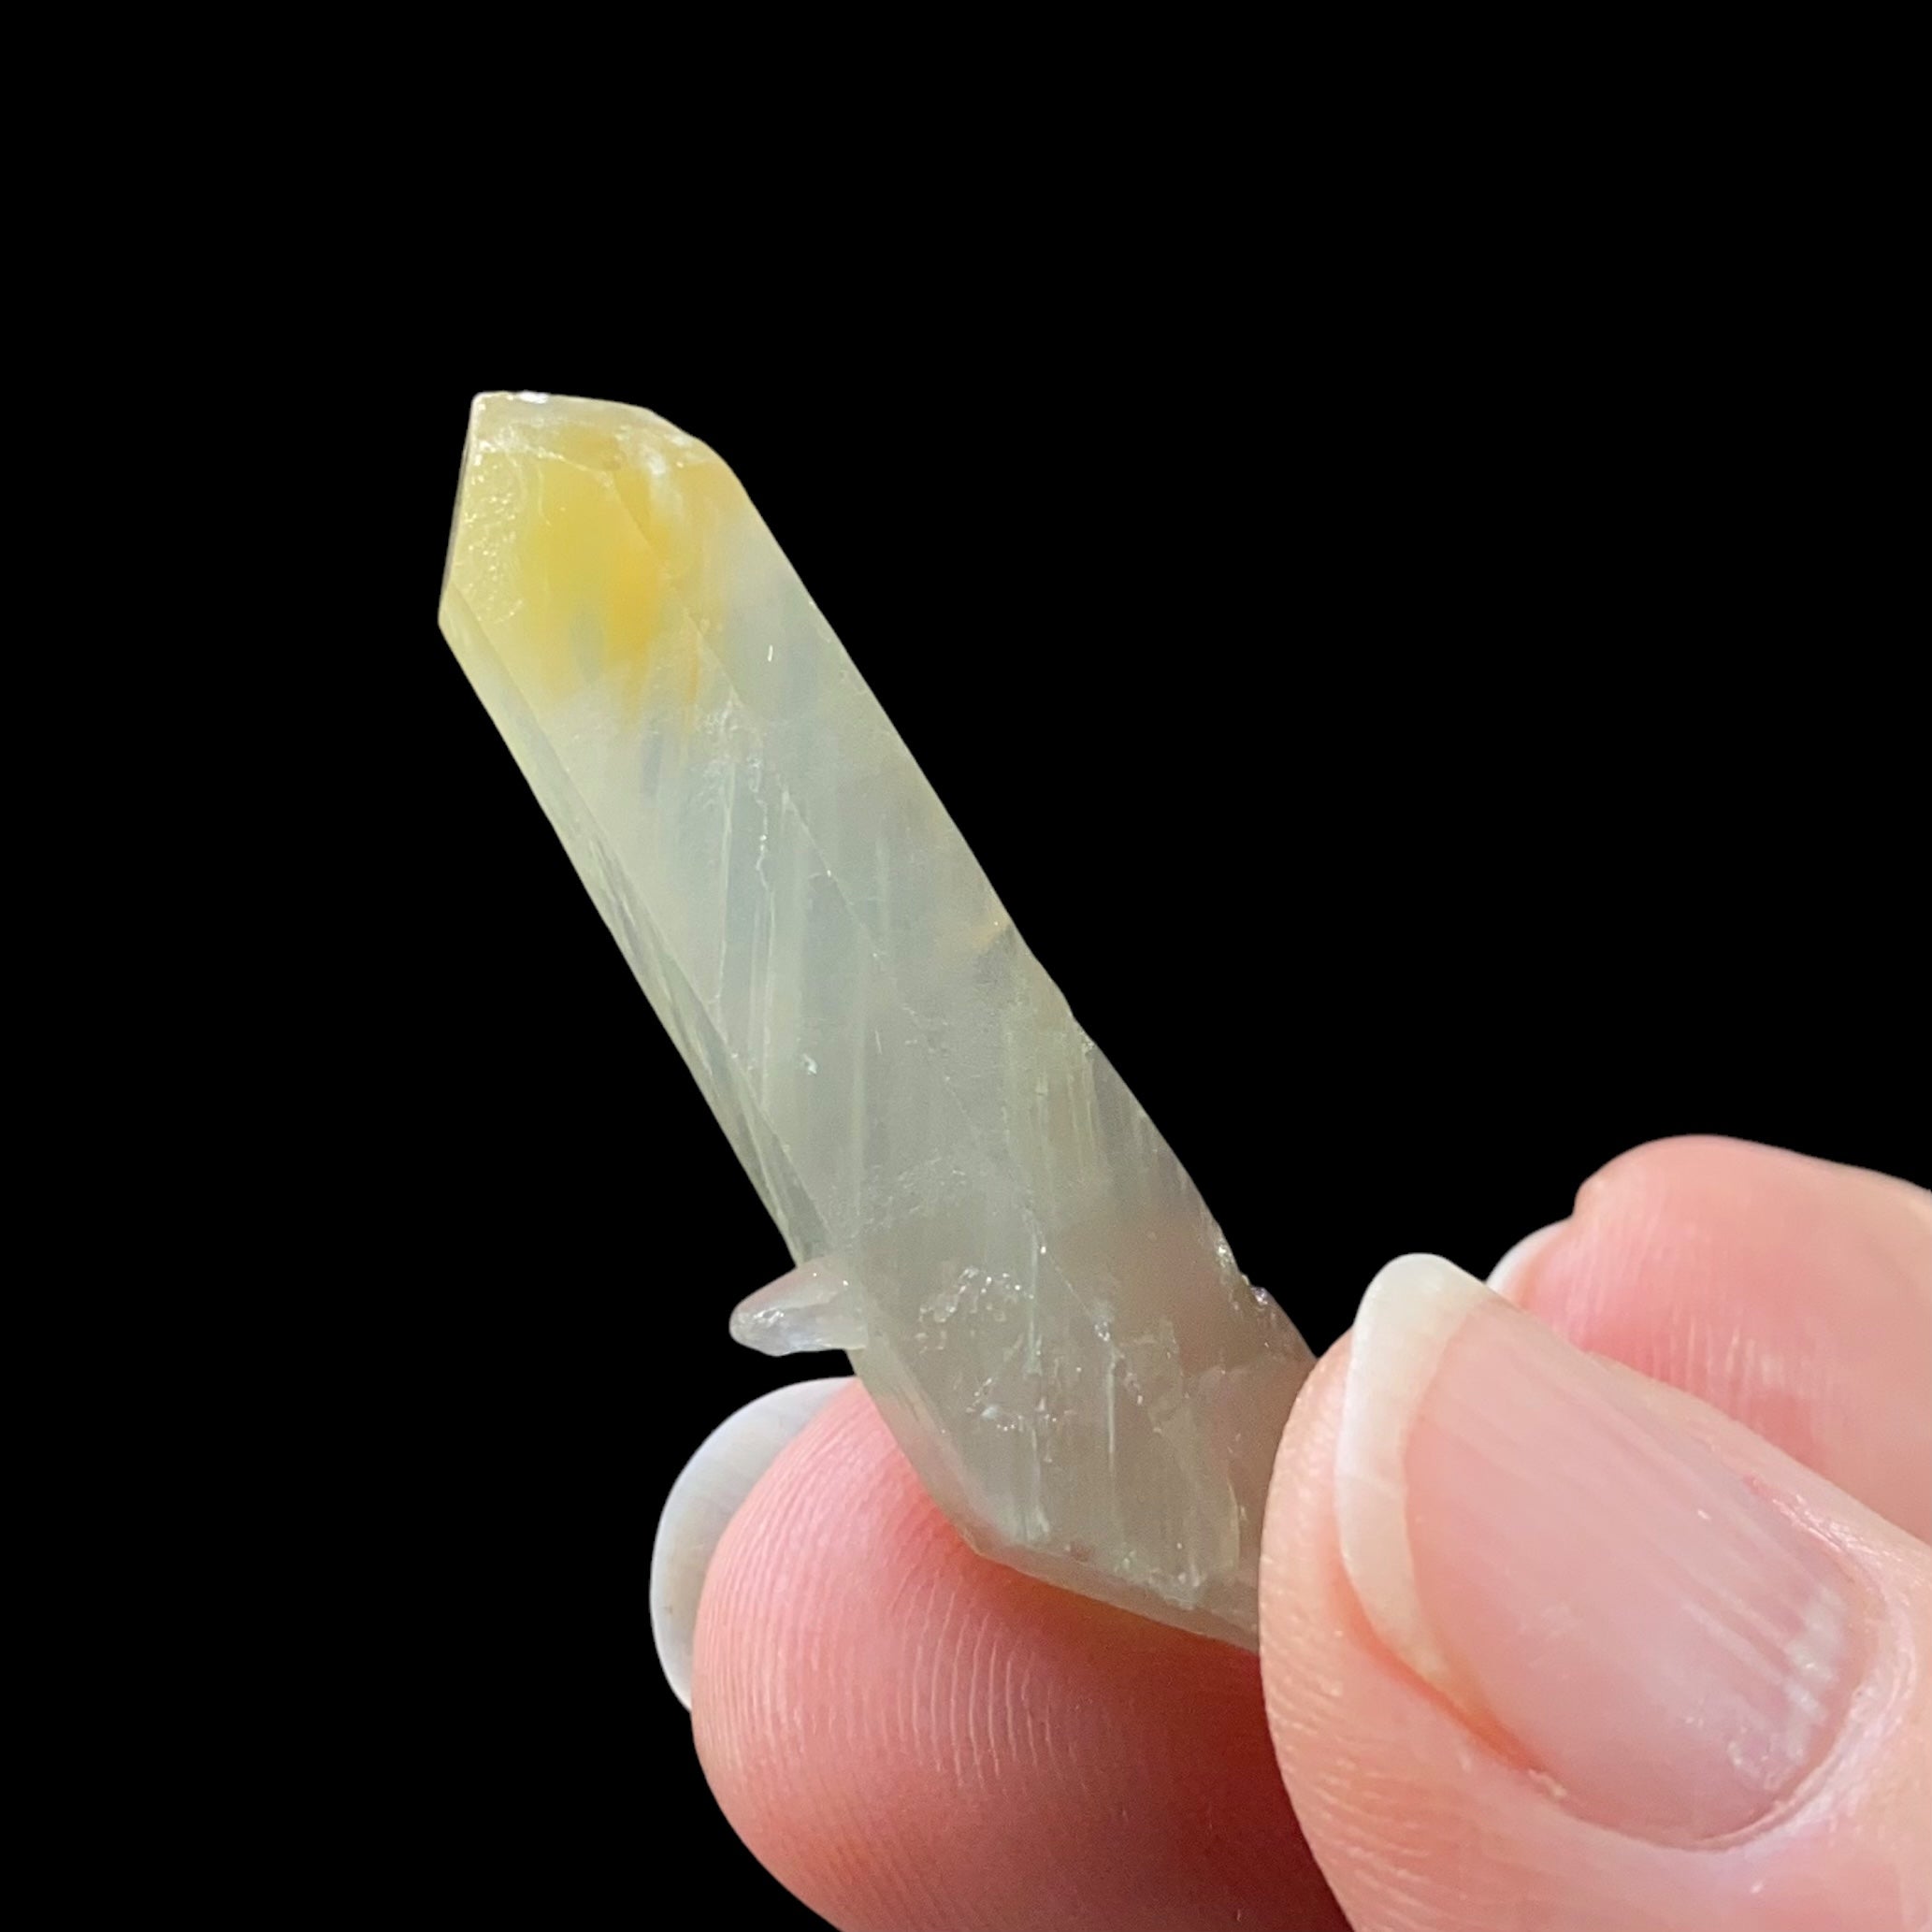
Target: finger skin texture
(912, 1737)
(1792, 1293)
(1428, 1818)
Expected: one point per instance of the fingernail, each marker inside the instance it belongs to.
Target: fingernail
(1598, 1594)
(704, 1498)
(1507, 1275)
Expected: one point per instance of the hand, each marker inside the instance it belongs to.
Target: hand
(1637, 1639)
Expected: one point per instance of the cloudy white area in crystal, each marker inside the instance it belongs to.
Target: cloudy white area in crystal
(1029, 1284)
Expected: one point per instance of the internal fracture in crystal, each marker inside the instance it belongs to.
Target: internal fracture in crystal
(1027, 1281)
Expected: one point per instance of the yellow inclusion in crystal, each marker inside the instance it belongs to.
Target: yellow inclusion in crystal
(588, 544)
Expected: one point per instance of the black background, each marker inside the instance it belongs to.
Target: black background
(1433, 750)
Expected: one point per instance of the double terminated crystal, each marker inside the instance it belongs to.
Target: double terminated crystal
(1027, 1281)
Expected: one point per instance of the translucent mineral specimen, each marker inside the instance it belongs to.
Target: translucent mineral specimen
(1027, 1281)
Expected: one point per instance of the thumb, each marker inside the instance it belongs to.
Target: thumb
(1548, 1645)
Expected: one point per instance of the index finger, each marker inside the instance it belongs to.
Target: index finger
(1794, 1294)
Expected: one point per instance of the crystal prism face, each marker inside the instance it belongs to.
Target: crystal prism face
(1027, 1283)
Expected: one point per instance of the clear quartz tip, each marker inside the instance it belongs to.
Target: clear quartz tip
(816, 1306)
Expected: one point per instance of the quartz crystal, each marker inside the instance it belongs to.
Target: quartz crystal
(1026, 1280)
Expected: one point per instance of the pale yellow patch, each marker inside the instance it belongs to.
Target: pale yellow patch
(589, 541)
